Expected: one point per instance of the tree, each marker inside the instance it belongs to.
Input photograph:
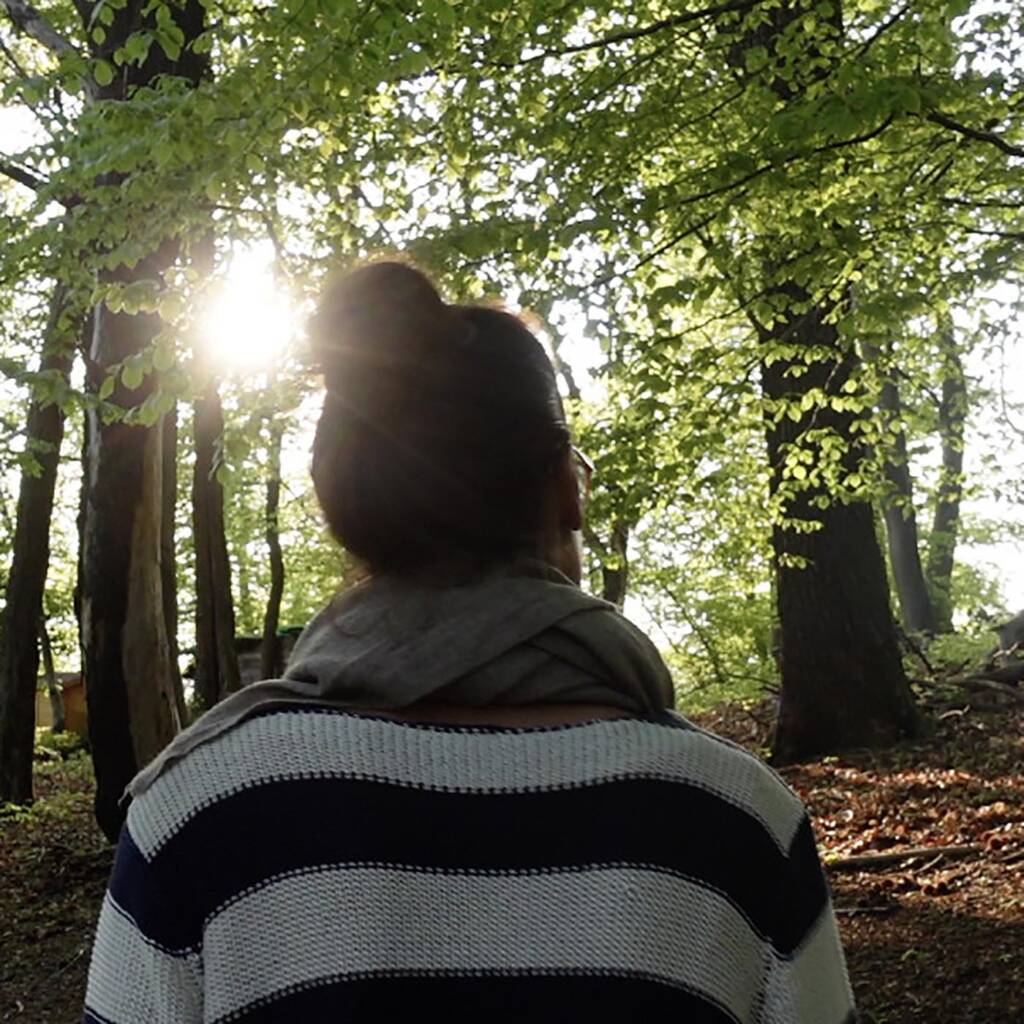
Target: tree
(952, 409)
(901, 521)
(23, 611)
(129, 674)
(168, 552)
(781, 180)
(216, 659)
(270, 660)
(842, 677)
(53, 691)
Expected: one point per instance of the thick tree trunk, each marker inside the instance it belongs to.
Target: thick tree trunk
(19, 651)
(168, 554)
(50, 675)
(129, 674)
(901, 528)
(945, 525)
(133, 710)
(270, 650)
(216, 659)
(843, 683)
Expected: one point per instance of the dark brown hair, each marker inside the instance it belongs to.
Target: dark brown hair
(440, 427)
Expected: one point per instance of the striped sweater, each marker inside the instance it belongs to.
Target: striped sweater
(317, 865)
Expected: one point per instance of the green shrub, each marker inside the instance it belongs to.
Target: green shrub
(51, 746)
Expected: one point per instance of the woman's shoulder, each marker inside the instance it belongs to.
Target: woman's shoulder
(291, 752)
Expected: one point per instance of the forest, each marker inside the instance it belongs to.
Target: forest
(774, 248)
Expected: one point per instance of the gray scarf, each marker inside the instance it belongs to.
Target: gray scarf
(521, 636)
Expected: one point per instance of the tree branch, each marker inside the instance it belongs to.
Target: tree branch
(33, 24)
(12, 60)
(874, 860)
(21, 176)
(626, 35)
(977, 134)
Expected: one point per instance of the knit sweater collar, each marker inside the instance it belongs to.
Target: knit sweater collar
(521, 635)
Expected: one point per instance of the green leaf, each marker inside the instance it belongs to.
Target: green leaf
(170, 306)
(132, 375)
(909, 100)
(163, 357)
(103, 73)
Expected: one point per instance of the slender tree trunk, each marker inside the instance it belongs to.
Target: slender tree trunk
(50, 675)
(168, 554)
(843, 683)
(901, 527)
(946, 523)
(216, 659)
(270, 649)
(615, 578)
(19, 657)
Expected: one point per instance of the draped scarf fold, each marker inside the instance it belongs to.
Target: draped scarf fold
(522, 635)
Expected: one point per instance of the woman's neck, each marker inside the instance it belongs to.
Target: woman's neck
(525, 715)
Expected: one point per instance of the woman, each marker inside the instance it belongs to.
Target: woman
(468, 795)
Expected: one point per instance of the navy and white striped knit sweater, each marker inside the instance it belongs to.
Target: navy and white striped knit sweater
(318, 865)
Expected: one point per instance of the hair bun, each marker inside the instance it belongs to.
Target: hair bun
(378, 318)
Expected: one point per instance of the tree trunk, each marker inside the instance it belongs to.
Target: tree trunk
(945, 525)
(843, 683)
(216, 659)
(168, 554)
(615, 579)
(129, 674)
(19, 657)
(133, 710)
(50, 675)
(901, 528)
(270, 650)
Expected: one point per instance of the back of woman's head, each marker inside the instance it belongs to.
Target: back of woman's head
(441, 424)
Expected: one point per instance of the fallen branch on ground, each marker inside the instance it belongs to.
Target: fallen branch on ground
(875, 860)
(977, 683)
(887, 909)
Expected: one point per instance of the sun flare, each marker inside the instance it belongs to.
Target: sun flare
(251, 320)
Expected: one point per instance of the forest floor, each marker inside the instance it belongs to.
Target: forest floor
(934, 938)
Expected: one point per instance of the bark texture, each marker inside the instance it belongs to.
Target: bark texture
(843, 683)
(901, 528)
(216, 658)
(270, 650)
(19, 650)
(127, 658)
(168, 554)
(50, 675)
(946, 522)
(133, 711)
